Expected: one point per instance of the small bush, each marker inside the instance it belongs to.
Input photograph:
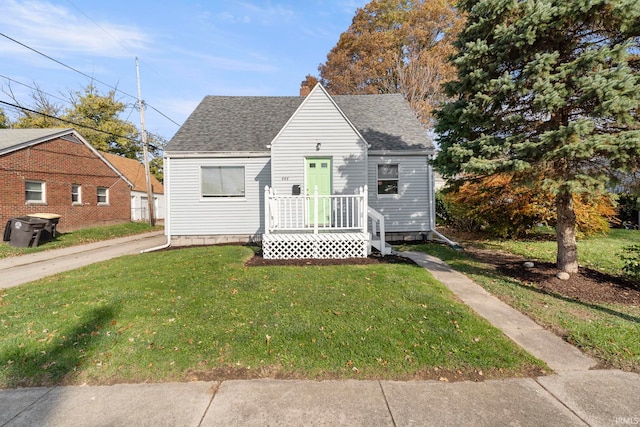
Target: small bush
(631, 267)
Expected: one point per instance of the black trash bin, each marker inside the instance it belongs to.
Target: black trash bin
(7, 232)
(49, 232)
(26, 231)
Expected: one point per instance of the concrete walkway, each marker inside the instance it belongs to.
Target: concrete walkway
(17, 270)
(573, 396)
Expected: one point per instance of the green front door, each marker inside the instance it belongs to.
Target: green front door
(318, 172)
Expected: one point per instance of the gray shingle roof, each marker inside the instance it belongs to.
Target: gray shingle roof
(10, 138)
(249, 123)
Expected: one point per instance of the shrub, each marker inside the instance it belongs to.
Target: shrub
(510, 205)
(631, 267)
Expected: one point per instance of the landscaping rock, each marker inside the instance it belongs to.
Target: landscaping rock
(528, 264)
(563, 275)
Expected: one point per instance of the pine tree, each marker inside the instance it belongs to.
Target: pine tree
(545, 86)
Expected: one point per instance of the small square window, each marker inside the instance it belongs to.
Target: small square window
(103, 195)
(34, 192)
(76, 194)
(388, 179)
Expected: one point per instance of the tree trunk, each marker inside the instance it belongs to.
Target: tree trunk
(567, 259)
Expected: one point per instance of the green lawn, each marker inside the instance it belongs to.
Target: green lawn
(608, 332)
(87, 235)
(604, 253)
(199, 313)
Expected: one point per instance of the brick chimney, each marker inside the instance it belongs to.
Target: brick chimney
(304, 89)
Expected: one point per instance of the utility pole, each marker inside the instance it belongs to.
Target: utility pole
(145, 150)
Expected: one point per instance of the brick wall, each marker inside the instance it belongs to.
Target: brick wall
(59, 164)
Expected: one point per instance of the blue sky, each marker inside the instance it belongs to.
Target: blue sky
(187, 49)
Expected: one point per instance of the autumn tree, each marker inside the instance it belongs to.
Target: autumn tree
(545, 87)
(41, 113)
(98, 116)
(95, 115)
(4, 120)
(396, 46)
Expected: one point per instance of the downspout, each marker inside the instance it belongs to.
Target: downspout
(167, 220)
(432, 207)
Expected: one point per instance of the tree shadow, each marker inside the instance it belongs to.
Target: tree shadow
(535, 278)
(58, 359)
(459, 262)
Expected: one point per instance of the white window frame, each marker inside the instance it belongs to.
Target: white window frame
(223, 188)
(42, 192)
(78, 194)
(106, 196)
(379, 180)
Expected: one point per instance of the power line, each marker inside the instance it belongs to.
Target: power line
(65, 65)
(37, 89)
(85, 75)
(15, 106)
(162, 114)
(123, 47)
(67, 121)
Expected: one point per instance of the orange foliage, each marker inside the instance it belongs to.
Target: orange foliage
(507, 205)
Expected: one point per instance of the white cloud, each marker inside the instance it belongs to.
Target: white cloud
(54, 29)
(222, 63)
(266, 15)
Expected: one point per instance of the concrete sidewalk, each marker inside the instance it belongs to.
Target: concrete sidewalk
(574, 395)
(586, 398)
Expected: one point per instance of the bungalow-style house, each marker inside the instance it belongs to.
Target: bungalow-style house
(310, 176)
(57, 171)
(135, 173)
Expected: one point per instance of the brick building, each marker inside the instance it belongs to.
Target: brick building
(58, 171)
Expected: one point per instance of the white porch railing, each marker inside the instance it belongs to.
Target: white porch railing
(319, 226)
(315, 213)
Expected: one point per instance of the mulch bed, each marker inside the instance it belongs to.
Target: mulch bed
(587, 285)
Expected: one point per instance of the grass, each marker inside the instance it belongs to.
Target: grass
(609, 332)
(198, 313)
(601, 252)
(87, 235)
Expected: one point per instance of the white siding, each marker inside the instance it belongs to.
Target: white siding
(318, 121)
(192, 215)
(409, 210)
(139, 207)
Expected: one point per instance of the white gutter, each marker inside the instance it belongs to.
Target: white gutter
(167, 220)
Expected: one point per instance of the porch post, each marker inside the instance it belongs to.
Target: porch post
(315, 210)
(267, 204)
(364, 194)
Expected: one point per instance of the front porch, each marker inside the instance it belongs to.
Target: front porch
(321, 226)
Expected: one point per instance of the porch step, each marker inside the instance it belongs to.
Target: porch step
(315, 246)
(385, 249)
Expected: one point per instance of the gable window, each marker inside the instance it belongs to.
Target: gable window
(34, 192)
(76, 194)
(388, 179)
(222, 181)
(103, 195)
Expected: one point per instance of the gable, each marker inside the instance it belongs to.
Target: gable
(319, 118)
(12, 140)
